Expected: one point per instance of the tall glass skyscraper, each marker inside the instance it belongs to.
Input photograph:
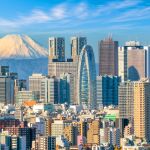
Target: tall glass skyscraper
(107, 90)
(87, 77)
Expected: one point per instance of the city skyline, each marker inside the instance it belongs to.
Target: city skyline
(126, 20)
(52, 94)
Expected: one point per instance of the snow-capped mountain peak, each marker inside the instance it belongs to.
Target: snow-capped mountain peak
(19, 47)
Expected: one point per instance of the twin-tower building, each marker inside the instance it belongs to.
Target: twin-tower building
(81, 66)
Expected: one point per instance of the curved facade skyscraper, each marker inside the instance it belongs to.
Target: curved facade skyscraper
(87, 77)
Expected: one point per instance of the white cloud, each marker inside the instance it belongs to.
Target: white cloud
(117, 5)
(74, 15)
(133, 15)
(59, 12)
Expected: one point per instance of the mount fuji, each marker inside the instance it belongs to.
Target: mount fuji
(23, 55)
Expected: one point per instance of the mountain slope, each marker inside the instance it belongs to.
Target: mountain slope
(20, 47)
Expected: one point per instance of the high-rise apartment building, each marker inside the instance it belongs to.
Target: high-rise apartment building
(56, 49)
(57, 127)
(77, 44)
(29, 133)
(46, 143)
(6, 90)
(126, 100)
(114, 136)
(13, 142)
(86, 84)
(108, 57)
(71, 133)
(48, 123)
(82, 128)
(107, 90)
(93, 133)
(142, 109)
(35, 84)
(126, 104)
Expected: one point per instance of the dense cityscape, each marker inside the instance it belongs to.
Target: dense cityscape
(72, 107)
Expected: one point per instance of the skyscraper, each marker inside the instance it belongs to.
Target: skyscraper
(58, 68)
(126, 104)
(108, 57)
(35, 84)
(107, 90)
(122, 63)
(49, 91)
(6, 90)
(137, 64)
(4, 70)
(86, 84)
(142, 109)
(77, 44)
(133, 61)
(66, 88)
(57, 49)
(147, 48)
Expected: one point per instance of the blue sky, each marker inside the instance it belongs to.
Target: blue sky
(124, 19)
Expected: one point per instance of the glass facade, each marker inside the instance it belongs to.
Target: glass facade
(87, 77)
(107, 90)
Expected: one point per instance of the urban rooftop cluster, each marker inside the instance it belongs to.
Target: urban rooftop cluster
(71, 108)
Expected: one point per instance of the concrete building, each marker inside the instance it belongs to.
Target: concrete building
(134, 61)
(137, 64)
(142, 109)
(93, 133)
(56, 49)
(147, 48)
(49, 91)
(77, 44)
(58, 68)
(13, 142)
(35, 84)
(128, 130)
(104, 135)
(114, 137)
(4, 70)
(23, 96)
(46, 143)
(29, 133)
(6, 90)
(108, 57)
(126, 104)
(62, 143)
(82, 128)
(48, 123)
(57, 127)
(70, 133)
(107, 90)
(122, 64)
